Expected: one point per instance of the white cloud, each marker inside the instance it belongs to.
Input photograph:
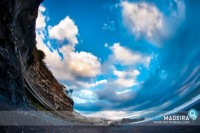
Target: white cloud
(41, 20)
(123, 74)
(180, 12)
(92, 85)
(145, 20)
(125, 56)
(126, 82)
(142, 18)
(73, 64)
(98, 83)
(122, 92)
(84, 64)
(175, 19)
(84, 96)
(65, 30)
(126, 78)
(79, 100)
(41, 23)
(41, 34)
(86, 92)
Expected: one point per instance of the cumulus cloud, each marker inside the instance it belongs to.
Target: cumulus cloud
(84, 64)
(126, 78)
(145, 20)
(125, 56)
(65, 30)
(75, 64)
(71, 64)
(117, 90)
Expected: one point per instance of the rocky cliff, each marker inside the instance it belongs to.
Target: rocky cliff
(45, 85)
(17, 46)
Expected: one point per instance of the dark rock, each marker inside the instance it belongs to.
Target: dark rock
(19, 62)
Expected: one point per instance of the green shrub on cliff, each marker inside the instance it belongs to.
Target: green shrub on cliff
(41, 54)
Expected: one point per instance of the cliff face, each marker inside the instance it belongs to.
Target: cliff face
(17, 42)
(45, 85)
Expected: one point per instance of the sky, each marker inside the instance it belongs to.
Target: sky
(122, 56)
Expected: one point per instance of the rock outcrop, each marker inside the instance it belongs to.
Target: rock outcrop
(45, 85)
(17, 43)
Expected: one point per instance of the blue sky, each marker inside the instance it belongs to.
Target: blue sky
(122, 56)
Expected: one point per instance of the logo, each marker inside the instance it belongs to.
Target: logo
(193, 114)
